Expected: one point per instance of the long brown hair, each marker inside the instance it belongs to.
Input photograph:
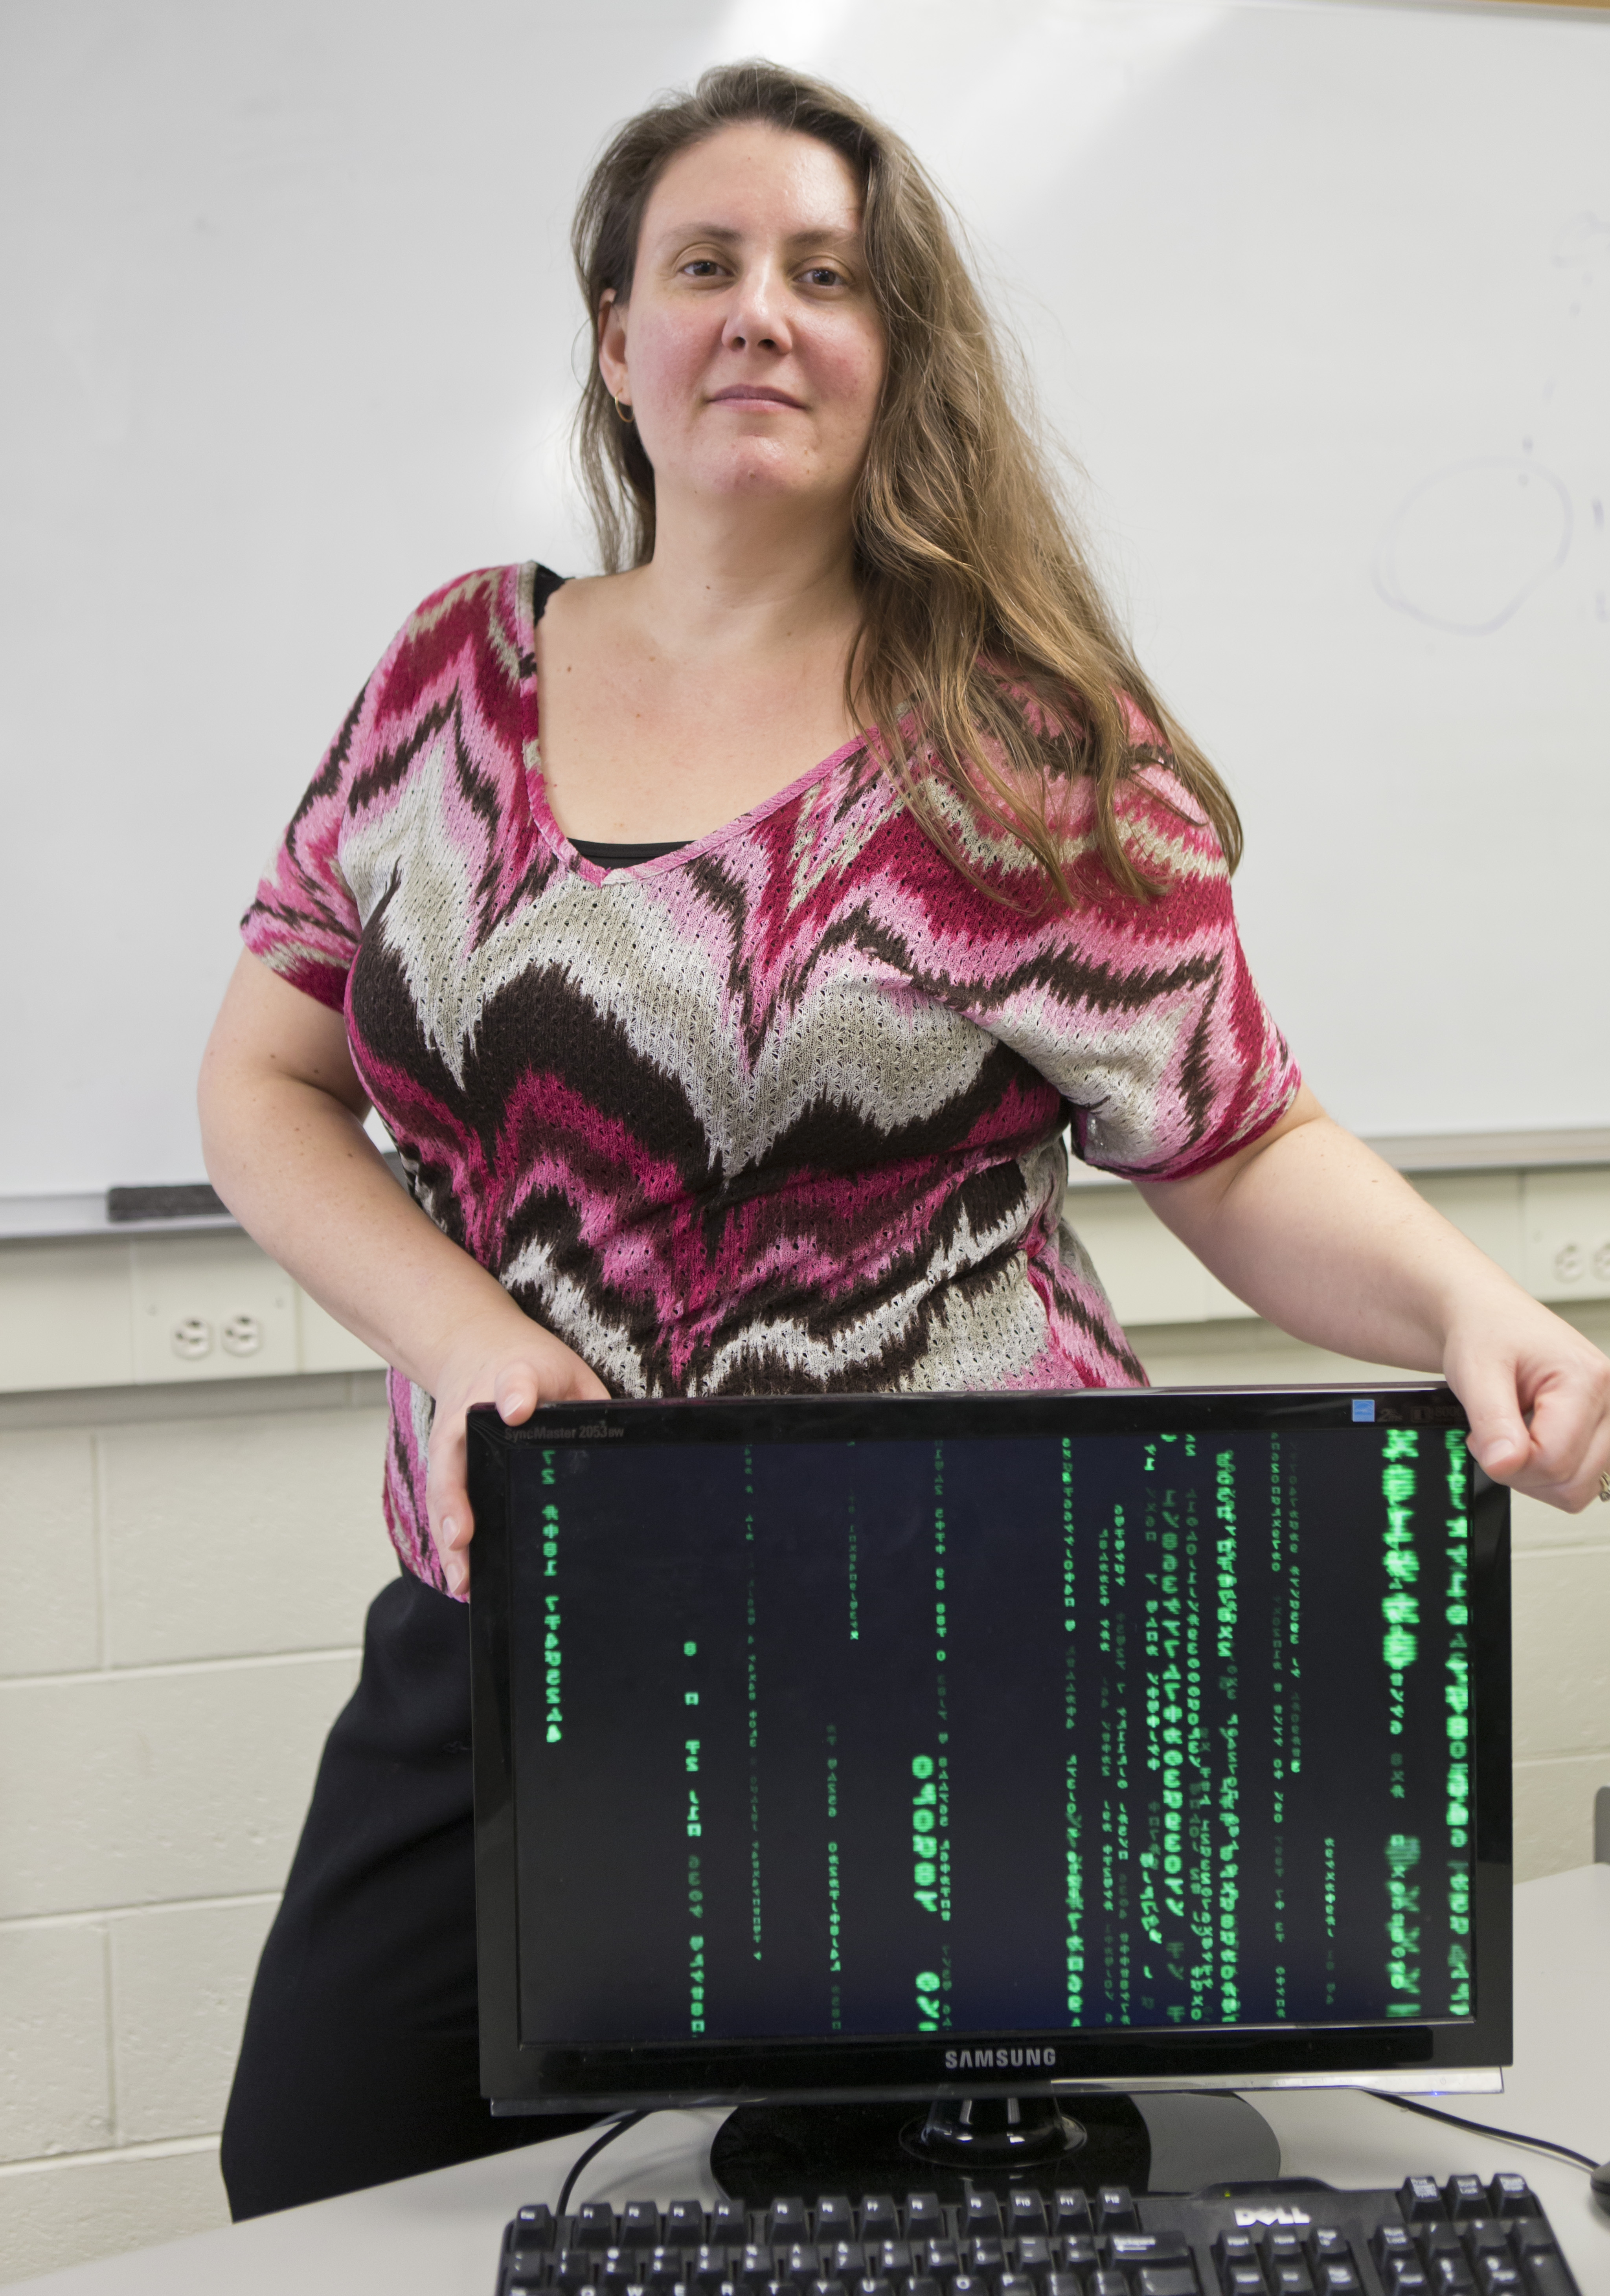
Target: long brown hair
(987, 655)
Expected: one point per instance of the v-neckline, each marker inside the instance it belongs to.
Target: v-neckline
(535, 586)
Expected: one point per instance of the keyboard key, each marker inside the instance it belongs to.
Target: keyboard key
(1510, 2195)
(1133, 2248)
(1450, 2276)
(786, 2221)
(1546, 2274)
(1328, 2240)
(533, 2228)
(1485, 2236)
(880, 2218)
(937, 2259)
(1335, 2276)
(685, 2223)
(924, 2218)
(1495, 2276)
(1394, 2240)
(1070, 2210)
(1420, 2198)
(1406, 2279)
(1115, 2209)
(1108, 2283)
(1027, 2214)
(1079, 2252)
(1289, 2276)
(870, 2285)
(843, 2258)
(804, 2262)
(891, 2258)
(1167, 2280)
(988, 2255)
(1014, 2284)
(729, 2222)
(1062, 2283)
(1034, 2257)
(983, 2217)
(640, 2225)
(1466, 2196)
(595, 2225)
(1530, 2233)
(1241, 2279)
(1440, 2239)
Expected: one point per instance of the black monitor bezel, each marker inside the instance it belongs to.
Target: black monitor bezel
(519, 2076)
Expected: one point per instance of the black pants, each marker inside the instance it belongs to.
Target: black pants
(359, 2059)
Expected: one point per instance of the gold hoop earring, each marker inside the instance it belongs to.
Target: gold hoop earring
(623, 413)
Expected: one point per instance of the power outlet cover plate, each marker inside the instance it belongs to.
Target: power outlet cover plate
(195, 1298)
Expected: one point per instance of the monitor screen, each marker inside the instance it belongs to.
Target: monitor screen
(880, 1745)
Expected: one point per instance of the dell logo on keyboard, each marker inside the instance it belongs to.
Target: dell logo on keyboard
(975, 2061)
(1244, 2217)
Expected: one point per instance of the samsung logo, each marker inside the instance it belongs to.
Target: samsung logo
(995, 2061)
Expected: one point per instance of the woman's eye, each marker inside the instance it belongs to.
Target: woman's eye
(824, 275)
(702, 267)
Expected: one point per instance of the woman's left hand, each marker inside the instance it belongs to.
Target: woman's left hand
(1539, 1398)
(1311, 1229)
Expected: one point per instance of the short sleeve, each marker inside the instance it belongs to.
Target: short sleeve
(304, 922)
(1144, 1014)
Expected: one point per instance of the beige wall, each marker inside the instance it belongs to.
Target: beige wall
(187, 1562)
(187, 1577)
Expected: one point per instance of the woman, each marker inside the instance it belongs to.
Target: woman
(727, 942)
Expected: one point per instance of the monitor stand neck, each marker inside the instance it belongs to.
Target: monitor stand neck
(991, 2133)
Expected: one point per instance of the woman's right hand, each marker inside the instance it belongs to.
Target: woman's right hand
(500, 1357)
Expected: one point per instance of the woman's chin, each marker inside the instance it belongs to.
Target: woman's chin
(761, 469)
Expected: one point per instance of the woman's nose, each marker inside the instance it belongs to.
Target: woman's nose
(757, 318)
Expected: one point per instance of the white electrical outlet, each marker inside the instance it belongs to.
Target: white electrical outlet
(1567, 1225)
(209, 1307)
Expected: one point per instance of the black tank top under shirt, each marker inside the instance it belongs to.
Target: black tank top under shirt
(623, 856)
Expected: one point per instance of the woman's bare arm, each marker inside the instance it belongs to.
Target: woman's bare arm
(1310, 1227)
(282, 1126)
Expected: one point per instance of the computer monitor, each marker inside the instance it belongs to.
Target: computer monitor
(867, 1751)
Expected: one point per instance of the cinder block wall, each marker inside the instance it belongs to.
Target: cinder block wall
(186, 1570)
(186, 1577)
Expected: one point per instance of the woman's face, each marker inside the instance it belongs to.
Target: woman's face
(751, 351)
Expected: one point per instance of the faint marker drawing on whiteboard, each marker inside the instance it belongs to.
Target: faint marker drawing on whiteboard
(1466, 547)
(1583, 243)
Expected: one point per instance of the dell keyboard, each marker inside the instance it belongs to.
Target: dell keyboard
(1294, 2237)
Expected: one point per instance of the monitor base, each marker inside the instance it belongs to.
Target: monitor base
(1170, 2142)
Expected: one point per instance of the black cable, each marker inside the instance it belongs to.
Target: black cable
(1484, 2128)
(616, 2128)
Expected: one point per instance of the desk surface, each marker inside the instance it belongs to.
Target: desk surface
(437, 2235)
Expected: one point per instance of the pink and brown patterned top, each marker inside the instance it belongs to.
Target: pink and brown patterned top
(781, 1112)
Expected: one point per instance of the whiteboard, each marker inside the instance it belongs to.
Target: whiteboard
(1319, 294)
